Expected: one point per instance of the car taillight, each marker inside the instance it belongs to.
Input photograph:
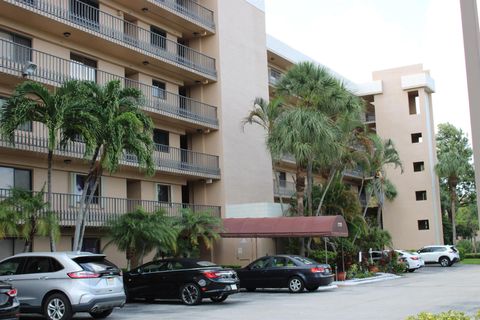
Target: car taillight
(211, 274)
(12, 293)
(83, 275)
(317, 269)
(414, 258)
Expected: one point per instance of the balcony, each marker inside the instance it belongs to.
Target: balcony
(273, 76)
(354, 173)
(284, 189)
(105, 209)
(52, 70)
(118, 32)
(369, 117)
(166, 158)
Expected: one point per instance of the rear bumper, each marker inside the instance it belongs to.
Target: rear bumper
(100, 304)
(10, 313)
(218, 288)
(319, 280)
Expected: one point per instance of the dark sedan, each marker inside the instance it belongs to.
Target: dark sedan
(185, 279)
(9, 305)
(285, 271)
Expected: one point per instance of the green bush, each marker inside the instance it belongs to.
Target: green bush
(355, 272)
(319, 256)
(449, 315)
(472, 256)
(464, 247)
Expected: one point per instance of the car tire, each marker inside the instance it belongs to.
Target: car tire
(190, 294)
(295, 285)
(312, 289)
(219, 298)
(250, 289)
(411, 270)
(444, 262)
(102, 314)
(57, 307)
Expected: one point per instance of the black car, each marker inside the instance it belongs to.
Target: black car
(185, 279)
(9, 305)
(285, 271)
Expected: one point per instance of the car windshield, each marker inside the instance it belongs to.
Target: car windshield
(94, 263)
(205, 264)
(304, 260)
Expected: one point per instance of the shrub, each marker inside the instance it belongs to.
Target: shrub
(319, 256)
(464, 247)
(472, 255)
(449, 315)
(355, 272)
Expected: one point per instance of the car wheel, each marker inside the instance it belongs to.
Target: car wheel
(219, 298)
(250, 289)
(411, 270)
(444, 261)
(312, 289)
(295, 285)
(190, 294)
(57, 307)
(102, 314)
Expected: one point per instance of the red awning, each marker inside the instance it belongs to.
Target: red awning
(322, 226)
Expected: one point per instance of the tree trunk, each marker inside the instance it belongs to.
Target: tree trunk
(277, 185)
(364, 213)
(453, 199)
(309, 187)
(49, 197)
(379, 216)
(300, 188)
(333, 172)
(87, 206)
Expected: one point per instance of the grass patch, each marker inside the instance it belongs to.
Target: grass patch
(471, 261)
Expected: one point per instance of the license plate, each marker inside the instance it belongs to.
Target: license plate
(233, 286)
(110, 281)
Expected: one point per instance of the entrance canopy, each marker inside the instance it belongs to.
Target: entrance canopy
(322, 226)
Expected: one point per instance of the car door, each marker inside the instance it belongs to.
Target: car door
(426, 254)
(10, 269)
(253, 276)
(276, 274)
(142, 282)
(165, 279)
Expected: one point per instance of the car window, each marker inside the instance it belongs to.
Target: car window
(152, 267)
(11, 266)
(425, 250)
(260, 264)
(205, 264)
(95, 263)
(454, 249)
(304, 260)
(291, 263)
(172, 265)
(439, 249)
(278, 262)
(41, 265)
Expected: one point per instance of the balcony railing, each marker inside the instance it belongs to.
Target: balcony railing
(274, 75)
(115, 29)
(190, 9)
(284, 188)
(355, 172)
(105, 209)
(166, 158)
(52, 70)
(370, 117)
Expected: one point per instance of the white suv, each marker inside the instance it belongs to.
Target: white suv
(445, 255)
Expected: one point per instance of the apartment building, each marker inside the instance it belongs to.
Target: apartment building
(398, 107)
(188, 58)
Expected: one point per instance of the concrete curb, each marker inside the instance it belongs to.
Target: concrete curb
(354, 282)
(329, 287)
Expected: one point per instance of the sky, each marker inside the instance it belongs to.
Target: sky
(356, 37)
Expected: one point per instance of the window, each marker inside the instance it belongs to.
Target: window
(91, 245)
(418, 166)
(423, 225)
(158, 90)
(413, 102)
(11, 266)
(421, 195)
(417, 138)
(278, 262)
(153, 267)
(158, 37)
(425, 250)
(42, 265)
(260, 264)
(15, 178)
(27, 126)
(20, 51)
(82, 68)
(78, 185)
(163, 193)
(161, 137)
(282, 178)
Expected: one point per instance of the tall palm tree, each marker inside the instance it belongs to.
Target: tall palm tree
(197, 228)
(123, 128)
(139, 232)
(32, 101)
(28, 212)
(264, 114)
(451, 166)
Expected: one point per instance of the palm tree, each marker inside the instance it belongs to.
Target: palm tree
(264, 114)
(197, 228)
(123, 128)
(451, 166)
(139, 232)
(32, 101)
(28, 214)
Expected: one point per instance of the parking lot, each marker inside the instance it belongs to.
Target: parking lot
(432, 289)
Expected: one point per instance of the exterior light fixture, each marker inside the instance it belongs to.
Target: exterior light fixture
(29, 69)
(67, 34)
(145, 63)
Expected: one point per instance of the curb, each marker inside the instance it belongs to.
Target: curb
(379, 278)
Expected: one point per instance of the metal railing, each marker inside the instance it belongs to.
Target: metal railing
(88, 17)
(15, 59)
(166, 158)
(105, 209)
(370, 117)
(284, 188)
(190, 9)
(274, 75)
(355, 172)
(288, 157)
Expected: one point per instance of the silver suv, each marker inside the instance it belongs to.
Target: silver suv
(58, 284)
(445, 255)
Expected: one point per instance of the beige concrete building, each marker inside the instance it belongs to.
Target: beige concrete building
(200, 64)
